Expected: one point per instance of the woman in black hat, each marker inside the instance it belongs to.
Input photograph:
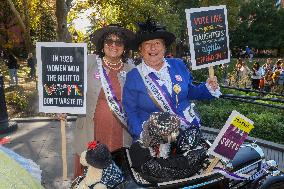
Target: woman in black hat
(105, 119)
(161, 84)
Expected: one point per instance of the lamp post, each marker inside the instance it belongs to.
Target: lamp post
(5, 126)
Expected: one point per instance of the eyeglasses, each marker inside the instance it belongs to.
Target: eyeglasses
(110, 42)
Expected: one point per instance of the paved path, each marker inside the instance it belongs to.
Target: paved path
(41, 142)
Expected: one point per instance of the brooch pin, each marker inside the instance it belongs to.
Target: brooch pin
(178, 77)
(177, 90)
(97, 75)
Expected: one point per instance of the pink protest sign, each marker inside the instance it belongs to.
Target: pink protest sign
(231, 137)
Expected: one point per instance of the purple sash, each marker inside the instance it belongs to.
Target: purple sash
(160, 96)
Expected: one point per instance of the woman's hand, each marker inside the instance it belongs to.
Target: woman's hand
(213, 83)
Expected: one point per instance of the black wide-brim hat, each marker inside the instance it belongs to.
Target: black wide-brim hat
(112, 28)
(151, 30)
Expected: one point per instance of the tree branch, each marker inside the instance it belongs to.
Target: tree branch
(27, 36)
(17, 14)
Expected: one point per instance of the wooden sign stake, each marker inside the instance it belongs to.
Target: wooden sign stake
(211, 71)
(216, 159)
(63, 148)
(212, 165)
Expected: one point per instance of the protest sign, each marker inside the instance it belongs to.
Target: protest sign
(208, 36)
(62, 82)
(231, 137)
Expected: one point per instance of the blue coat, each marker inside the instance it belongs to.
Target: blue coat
(138, 105)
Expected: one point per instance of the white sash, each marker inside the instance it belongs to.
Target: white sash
(161, 99)
(114, 105)
(156, 93)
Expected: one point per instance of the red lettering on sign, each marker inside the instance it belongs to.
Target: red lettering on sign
(208, 19)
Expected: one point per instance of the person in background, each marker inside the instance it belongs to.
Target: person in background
(267, 66)
(268, 82)
(280, 81)
(13, 67)
(256, 76)
(224, 71)
(249, 53)
(275, 78)
(238, 67)
(159, 84)
(277, 65)
(31, 65)
(245, 73)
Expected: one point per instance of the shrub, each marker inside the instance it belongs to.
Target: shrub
(268, 122)
(17, 99)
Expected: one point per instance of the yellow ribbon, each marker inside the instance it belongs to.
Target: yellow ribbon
(177, 90)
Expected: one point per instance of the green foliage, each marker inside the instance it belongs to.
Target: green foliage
(17, 99)
(260, 25)
(128, 13)
(232, 8)
(6, 21)
(268, 122)
(43, 25)
(256, 23)
(200, 75)
(41, 21)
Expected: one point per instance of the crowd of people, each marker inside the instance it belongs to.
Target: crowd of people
(267, 77)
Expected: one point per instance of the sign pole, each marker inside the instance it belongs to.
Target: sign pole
(63, 148)
(216, 159)
(211, 72)
(212, 165)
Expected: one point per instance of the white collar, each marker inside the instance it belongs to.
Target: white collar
(147, 69)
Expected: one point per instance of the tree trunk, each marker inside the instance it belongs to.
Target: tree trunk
(27, 36)
(62, 9)
(27, 24)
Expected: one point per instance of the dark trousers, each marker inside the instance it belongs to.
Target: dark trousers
(32, 73)
(255, 84)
